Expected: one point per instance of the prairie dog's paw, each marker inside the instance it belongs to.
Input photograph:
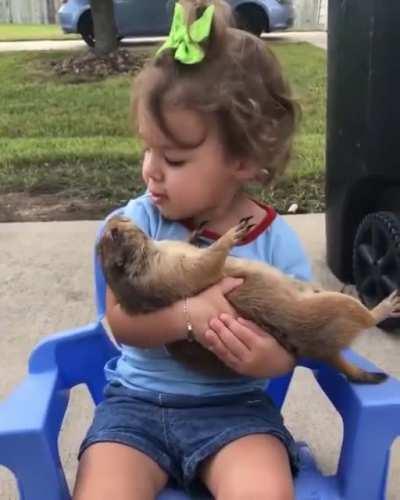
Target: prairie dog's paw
(388, 308)
(237, 233)
(241, 230)
(392, 304)
(196, 233)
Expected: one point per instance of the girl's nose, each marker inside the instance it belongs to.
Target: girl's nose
(152, 166)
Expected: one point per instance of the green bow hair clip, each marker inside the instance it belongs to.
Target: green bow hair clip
(185, 39)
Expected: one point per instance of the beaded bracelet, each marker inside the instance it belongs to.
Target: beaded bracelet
(189, 326)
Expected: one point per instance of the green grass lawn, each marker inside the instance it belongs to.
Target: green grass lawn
(56, 135)
(17, 32)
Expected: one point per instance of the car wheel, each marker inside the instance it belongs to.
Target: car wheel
(251, 18)
(86, 30)
(376, 260)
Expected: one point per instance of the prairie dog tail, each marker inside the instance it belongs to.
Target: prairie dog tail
(354, 373)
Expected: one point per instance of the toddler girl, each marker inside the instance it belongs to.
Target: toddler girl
(214, 114)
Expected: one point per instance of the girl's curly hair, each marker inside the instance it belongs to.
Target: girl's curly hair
(239, 81)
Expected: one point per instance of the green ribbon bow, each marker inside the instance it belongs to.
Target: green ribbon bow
(185, 39)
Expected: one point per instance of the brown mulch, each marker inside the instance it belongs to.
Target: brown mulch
(88, 65)
(42, 205)
(30, 207)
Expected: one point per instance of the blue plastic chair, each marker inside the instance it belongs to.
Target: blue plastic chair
(30, 419)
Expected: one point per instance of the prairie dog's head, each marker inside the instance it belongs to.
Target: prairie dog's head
(122, 248)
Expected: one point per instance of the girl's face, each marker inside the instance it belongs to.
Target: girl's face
(197, 183)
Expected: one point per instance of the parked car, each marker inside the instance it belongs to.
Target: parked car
(152, 17)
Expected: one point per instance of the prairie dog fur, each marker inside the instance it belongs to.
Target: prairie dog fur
(146, 275)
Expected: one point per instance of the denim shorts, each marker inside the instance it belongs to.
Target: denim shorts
(180, 432)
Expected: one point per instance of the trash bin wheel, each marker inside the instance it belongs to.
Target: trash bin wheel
(376, 260)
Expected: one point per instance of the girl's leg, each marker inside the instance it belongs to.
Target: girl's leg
(116, 471)
(255, 467)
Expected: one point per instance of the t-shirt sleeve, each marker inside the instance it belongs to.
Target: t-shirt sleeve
(288, 253)
(141, 214)
(139, 211)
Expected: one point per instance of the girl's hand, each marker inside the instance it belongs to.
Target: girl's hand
(246, 348)
(210, 304)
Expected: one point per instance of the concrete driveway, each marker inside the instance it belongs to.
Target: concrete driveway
(46, 286)
(318, 38)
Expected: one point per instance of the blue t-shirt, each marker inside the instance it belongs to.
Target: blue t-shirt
(272, 241)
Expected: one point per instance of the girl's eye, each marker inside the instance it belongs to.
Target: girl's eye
(174, 163)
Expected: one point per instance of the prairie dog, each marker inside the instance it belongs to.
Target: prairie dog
(146, 275)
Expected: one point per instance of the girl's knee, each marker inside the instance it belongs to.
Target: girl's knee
(108, 470)
(252, 468)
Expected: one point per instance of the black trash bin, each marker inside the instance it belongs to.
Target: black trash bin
(363, 145)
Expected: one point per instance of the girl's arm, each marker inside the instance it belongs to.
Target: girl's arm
(145, 330)
(170, 323)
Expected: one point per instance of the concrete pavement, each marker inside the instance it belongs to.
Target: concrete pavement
(46, 286)
(318, 38)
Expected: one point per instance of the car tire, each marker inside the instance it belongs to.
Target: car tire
(376, 260)
(251, 18)
(86, 30)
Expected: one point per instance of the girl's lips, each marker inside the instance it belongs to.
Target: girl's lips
(157, 197)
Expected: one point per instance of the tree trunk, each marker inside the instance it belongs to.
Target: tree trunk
(105, 31)
(51, 12)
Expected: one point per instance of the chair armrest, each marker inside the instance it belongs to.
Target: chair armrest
(57, 363)
(31, 417)
(29, 407)
(30, 421)
(79, 355)
(371, 419)
(44, 391)
(349, 397)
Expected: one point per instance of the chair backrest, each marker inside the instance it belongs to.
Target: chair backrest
(100, 287)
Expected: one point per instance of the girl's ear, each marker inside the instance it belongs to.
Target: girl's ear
(245, 170)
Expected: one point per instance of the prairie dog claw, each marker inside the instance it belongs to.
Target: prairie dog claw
(388, 308)
(242, 228)
(196, 233)
(393, 302)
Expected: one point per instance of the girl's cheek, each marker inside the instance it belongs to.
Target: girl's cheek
(145, 170)
(144, 176)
